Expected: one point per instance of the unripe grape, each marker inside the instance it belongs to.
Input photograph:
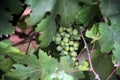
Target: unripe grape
(58, 35)
(71, 49)
(62, 43)
(66, 44)
(73, 58)
(64, 52)
(67, 48)
(77, 37)
(76, 48)
(63, 33)
(76, 44)
(75, 32)
(61, 29)
(58, 39)
(71, 42)
(73, 54)
(69, 29)
(76, 63)
(59, 48)
(67, 35)
(65, 40)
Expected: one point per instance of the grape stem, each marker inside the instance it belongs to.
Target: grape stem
(89, 56)
(117, 67)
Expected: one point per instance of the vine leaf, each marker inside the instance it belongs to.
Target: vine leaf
(116, 53)
(48, 27)
(65, 64)
(101, 62)
(93, 33)
(5, 63)
(110, 7)
(64, 8)
(61, 75)
(39, 8)
(14, 9)
(106, 38)
(5, 26)
(22, 73)
(85, 15)
(36, 68)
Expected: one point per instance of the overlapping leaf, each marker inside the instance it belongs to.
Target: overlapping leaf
(39, 8)
(7, 5)
(116, 53)
(85, 15)
(5, 26)
(48, 28)
(103, 66)
(110, 7)
(67, 9)
(93, 33)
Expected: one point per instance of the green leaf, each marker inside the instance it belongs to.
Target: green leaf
(22, 72)
(110, 7)
(67, 9)
(6, 15)
(36, 68)
(102, 61)
(5, 26)
(85, 15)
(14, 6)
(65, 64)
(5, 63)
(87, 1)
(93, 33)
(116, 53)
(49, 28)
(106, 38)
(39, 8)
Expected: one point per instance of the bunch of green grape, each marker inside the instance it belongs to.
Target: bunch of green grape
(67, 41)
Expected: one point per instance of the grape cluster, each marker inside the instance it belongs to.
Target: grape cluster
(67, 41)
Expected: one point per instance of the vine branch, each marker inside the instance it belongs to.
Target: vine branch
(117, 67)
(89, 56)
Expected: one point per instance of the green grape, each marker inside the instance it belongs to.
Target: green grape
(77, 37)
(73, 58)
(69, 30)
(83, 68)
(76, 48)
(67, 35)
(58, 39)
(64, 52)
(59, 48)
(58, 35)
(67, 48)
(71, 42)
(65, 40)
(66, 44)
(73, 54)
(62, 43)
(71, 49)
(75, 32)
(61, 29)
(62, 33)
(76, 44)
(76, 63)
(64, 28)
